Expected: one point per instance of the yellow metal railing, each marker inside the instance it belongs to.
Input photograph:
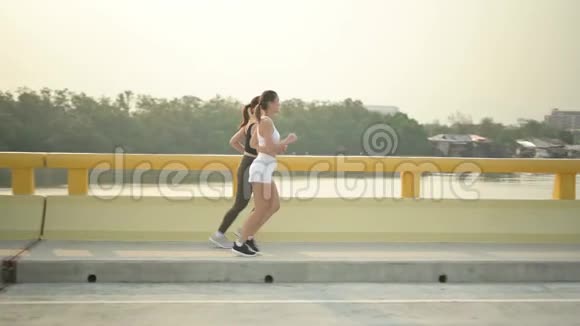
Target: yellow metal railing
(22, 166)
(78, 165)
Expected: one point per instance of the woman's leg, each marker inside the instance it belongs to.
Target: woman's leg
(243, 195)
(262, 202)
(274, 205)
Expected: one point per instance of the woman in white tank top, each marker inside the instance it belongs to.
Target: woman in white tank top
(266, 200)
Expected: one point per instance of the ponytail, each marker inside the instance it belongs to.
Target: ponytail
(245, 116)
(258, 112)
(247, 111)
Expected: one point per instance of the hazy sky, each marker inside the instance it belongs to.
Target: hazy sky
(501, 58)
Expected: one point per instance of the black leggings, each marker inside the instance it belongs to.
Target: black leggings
(243, 194)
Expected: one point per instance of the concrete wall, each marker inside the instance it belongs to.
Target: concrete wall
(21, 217)
(321, 219)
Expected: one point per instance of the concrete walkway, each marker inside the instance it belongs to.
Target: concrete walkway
(291, 304)
(70, 261)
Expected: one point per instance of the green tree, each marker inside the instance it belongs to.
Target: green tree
(64, 121)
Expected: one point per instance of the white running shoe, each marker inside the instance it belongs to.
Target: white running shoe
(220, 241)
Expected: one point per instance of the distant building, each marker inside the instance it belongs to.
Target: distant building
(565, 120)
(573, 151)
(542, 148)
(384, 109)
(460, 145)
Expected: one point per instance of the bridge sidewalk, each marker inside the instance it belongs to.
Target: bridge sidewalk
(167, 262)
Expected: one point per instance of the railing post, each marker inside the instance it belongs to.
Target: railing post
(23, 181)
(564, 186)
(410, 184)
(78, 181)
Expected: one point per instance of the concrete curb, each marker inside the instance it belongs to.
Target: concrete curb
(257, 271)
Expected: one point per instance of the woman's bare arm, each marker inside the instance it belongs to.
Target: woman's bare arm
(237, 140)
(291, 138)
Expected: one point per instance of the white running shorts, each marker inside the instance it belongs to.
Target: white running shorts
(262, 168)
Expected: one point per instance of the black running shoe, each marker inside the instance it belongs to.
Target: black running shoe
(252, 245)
(243, 250)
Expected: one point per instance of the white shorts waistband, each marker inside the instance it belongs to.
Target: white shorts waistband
(265, 157)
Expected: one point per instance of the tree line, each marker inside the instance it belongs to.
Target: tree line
(64, 121)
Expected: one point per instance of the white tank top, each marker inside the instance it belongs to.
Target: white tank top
(275, 136)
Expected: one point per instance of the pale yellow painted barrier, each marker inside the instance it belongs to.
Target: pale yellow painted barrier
(318, 220)
(21, 217)
(410, 168)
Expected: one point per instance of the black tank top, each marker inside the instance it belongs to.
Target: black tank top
(247, 147)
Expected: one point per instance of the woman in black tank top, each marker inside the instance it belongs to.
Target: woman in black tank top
(248, 149)
(244, 191)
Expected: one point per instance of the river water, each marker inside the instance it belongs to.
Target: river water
(510, 186)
